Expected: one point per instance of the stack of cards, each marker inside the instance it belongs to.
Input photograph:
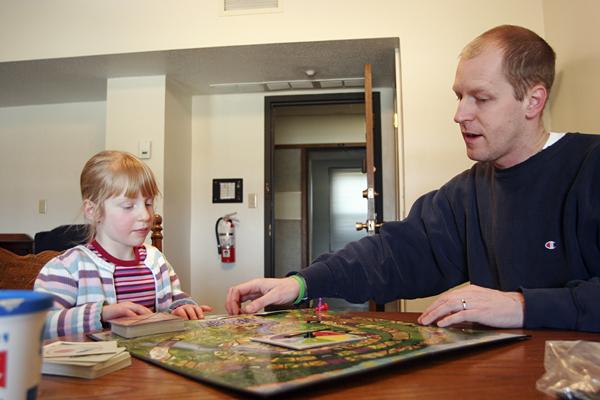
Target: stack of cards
(146, 324)
(84, 359)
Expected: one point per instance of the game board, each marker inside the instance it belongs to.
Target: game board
(220, 351)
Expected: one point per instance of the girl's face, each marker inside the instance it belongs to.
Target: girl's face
(125, 224)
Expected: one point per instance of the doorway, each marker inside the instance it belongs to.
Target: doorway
(312, 170)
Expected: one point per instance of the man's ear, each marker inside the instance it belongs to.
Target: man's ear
(90, 210)
(535, 100)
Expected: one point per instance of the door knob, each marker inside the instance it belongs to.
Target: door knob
(369, 225)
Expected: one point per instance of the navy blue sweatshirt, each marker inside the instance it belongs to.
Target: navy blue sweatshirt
(534, 228)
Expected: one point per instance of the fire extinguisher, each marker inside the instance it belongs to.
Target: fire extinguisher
(225, 232)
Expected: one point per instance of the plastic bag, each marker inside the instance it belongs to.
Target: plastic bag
(572, 370)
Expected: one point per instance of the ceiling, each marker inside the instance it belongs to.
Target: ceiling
(77, 79)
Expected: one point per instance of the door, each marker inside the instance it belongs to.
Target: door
(369, 193)
(288, 242)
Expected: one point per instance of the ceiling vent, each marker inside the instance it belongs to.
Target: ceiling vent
(239, 7)
(268, 86)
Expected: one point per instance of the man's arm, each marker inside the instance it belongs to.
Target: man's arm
(420, 256)
(576, 306)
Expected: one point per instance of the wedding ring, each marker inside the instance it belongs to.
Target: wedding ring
(464, 304)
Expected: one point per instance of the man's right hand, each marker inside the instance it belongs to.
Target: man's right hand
(261, 292)
(124, 309)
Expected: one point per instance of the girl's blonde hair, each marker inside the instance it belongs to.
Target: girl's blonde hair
(112, 173)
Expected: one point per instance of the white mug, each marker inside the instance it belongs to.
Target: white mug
(22, 316)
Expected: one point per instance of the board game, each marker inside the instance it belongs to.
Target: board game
(222, 352)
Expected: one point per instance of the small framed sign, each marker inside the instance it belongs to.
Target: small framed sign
(230, 190)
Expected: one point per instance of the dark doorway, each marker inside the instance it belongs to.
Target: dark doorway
(287, 169)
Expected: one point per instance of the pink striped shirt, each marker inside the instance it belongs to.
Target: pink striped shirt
(133, 280)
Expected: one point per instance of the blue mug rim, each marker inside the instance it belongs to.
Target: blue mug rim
(31, 302)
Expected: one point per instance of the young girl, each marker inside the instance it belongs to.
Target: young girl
(115, 274)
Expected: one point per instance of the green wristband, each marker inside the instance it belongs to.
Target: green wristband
(301, 293)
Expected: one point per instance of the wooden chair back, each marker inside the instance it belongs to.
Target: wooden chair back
(19, 272)
(157, 236)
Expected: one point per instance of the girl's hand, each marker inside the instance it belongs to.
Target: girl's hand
(191, 311)
(124, 309)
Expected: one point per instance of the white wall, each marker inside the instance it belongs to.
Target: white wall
(42, 151)
(178, 182)
(227, 142)
(135, 111)
(38, 29)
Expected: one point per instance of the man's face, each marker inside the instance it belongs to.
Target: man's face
(491, 119)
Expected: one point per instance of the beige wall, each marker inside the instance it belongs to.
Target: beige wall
(571, 28)
(178, 182)
(227, 142)
(320, 129)
(135, 111)
(42, 151)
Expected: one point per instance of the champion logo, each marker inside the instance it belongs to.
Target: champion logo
(550, 245)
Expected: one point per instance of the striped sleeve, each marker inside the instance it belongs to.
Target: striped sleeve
(59, 278)
(179, 296)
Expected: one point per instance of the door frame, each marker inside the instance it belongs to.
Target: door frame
(272, 102)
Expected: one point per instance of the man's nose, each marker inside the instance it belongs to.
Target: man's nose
(463, 112)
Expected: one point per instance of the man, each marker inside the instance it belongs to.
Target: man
(522, 225)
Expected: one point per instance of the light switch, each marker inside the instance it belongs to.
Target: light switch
(145, 149)
(251, 200)
(42, 206)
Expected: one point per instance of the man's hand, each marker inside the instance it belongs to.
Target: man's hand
(262, 292)
(476, 304)
(124, 309)
(191, 311)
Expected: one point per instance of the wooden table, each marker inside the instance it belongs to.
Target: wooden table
(497, 371)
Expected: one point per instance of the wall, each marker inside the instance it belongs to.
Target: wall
(571, 28)
(298, 129)
(72, 28)
(135, 111)
(178, 182)
(42, 151)
(227, 142)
